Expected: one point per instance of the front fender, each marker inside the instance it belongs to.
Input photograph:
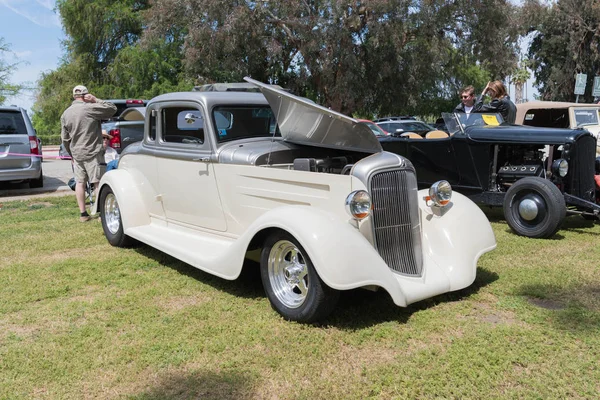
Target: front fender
(341, 255)
(461, 234)
(132, 208)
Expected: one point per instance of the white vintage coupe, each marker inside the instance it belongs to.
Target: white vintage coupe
(219, 174)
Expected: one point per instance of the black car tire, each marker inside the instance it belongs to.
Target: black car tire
(291, 282)
(112, 224)
(541, 196)
(38, 182)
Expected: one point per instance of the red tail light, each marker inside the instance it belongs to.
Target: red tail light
(115, 142)
(33, 145)
(134, 101)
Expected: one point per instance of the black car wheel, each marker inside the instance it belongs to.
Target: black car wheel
(291, 283)
(534, 207)
(38, 182)
(112, 223)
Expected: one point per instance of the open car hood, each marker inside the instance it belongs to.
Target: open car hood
(304, 122)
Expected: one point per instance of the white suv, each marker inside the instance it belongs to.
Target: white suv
(20, 153)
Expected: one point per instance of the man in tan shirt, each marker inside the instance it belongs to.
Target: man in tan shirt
(81, 134)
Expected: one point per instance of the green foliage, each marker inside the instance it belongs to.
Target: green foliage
(566, 42)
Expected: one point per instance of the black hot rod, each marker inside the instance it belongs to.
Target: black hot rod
(538, 175)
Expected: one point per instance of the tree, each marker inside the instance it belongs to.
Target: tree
(566, 42)
(374, 56)
(7, 88)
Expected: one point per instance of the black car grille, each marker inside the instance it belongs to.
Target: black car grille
(580, 180)
(396, 220)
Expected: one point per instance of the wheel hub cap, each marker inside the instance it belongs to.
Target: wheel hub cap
(528, 209)
(288, 274)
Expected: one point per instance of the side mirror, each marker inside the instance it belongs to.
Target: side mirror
(190, 118)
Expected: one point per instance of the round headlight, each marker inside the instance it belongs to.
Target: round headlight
(560, 167)
(440, 193)
(358, 204)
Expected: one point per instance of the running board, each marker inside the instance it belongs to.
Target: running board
(205, 251)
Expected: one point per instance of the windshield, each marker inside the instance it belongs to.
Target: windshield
(586, 117)
(457, 122)
(239, 122)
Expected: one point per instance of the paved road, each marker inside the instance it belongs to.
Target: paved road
(56, 175)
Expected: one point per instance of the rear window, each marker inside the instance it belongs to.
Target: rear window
(239, 122)
(11, 123)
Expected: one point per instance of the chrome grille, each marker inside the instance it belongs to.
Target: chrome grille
(396, 225)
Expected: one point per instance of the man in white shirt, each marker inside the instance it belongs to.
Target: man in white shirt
(467, 101)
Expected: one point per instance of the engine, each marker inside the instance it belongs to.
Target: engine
(519, 162)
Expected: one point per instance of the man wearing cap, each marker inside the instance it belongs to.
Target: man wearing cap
(81, 135)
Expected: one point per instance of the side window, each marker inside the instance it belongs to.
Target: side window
(182, 125)
(152, 127)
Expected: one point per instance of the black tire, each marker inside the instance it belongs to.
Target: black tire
(38, 182)
(534, 207)
(112, 224)
(284, 286)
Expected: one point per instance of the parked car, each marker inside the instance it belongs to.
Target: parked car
(20, 151)
(538, 175)
(126, 129)
(219, 174)
(553, 114)
(397, 128)
(125, 104)
(376, 129)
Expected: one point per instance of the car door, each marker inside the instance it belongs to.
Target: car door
(188, 188)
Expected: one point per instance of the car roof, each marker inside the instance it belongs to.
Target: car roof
(212, 98)
(523, 108)
(399, 118)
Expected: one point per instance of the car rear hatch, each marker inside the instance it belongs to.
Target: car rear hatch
(15, 149)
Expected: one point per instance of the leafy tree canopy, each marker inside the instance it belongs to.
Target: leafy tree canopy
(566, 42)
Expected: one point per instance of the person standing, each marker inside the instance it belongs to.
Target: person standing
(81, 135)
(500, 103)
(467, 101)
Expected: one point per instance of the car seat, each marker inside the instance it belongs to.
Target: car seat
(436, 135)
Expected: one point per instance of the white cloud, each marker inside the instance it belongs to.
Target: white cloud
(40, 12)
(23, 54)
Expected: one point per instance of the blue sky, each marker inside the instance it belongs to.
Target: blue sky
(34, 32)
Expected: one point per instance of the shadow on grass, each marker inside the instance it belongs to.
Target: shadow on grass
(576, 308)
(572, 223)
(356, 309)
(359, 308)
(200, 385)
(247, 285)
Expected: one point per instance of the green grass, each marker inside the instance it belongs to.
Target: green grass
(81, 319)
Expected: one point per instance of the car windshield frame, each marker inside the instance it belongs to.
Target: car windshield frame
(456, 123)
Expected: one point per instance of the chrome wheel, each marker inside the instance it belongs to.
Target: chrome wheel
(112, 215)
(288, 274)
